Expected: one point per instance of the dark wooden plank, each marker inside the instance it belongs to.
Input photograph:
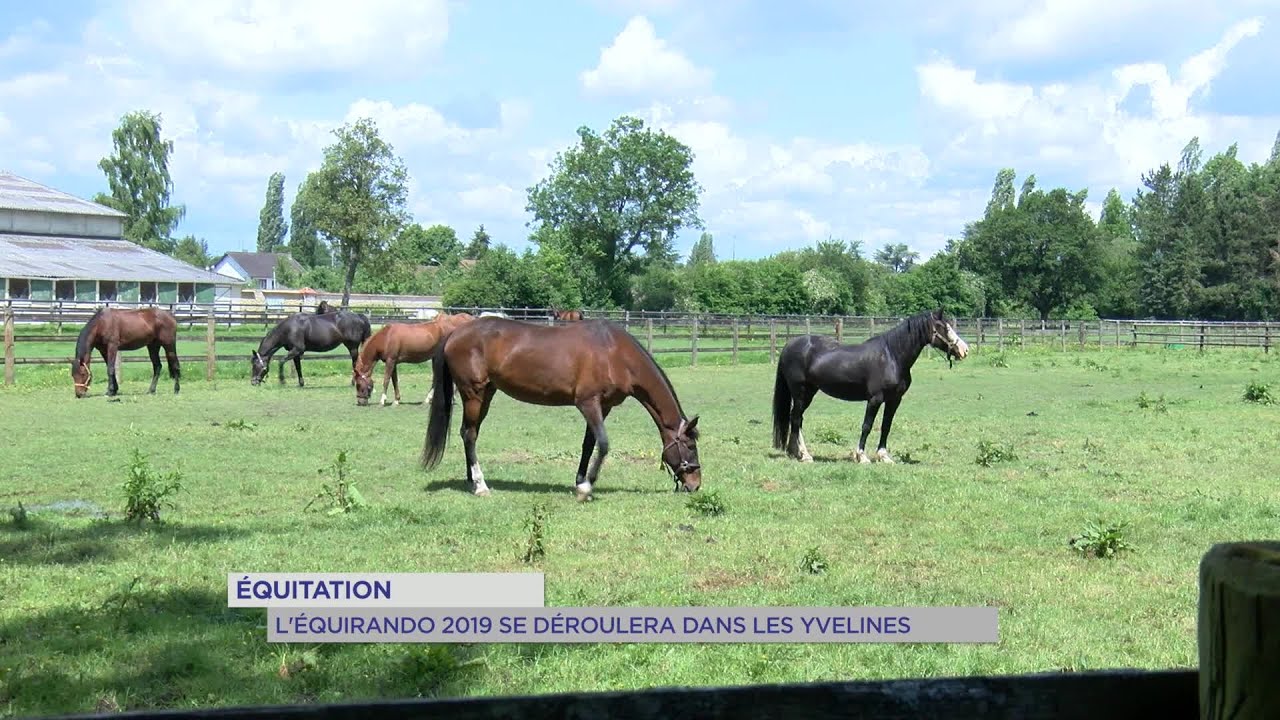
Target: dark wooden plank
(1104, 695)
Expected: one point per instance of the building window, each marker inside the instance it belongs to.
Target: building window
(262, 283)
(19, 289)
(147, 292)
(186, 292)
(107, 290)
(64, 290)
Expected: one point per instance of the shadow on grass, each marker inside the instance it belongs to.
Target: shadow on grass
(44, 542)
(462, 485)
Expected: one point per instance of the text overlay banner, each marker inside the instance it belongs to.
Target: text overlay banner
(385, 590)
(635, 625)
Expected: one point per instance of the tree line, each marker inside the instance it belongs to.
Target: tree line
(1197, 240)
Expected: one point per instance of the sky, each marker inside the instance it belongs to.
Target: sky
(876, 121)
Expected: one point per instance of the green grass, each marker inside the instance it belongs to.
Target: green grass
(101, 614)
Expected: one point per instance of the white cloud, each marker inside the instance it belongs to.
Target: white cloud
(639, 63)
(286, 37)
(1082, 128)
(497, 199)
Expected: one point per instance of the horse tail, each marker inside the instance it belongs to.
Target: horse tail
(781, 409)
(441, 409)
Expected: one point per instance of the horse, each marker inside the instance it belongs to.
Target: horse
(565, 315)
(301, 332)
(324, 308)
(592, 365)
(401, 343)
(877, 371)
(111, 330)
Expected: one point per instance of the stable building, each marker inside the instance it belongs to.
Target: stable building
(55, 246)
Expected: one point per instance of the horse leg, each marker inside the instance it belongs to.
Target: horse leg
(873, 406)
(154, 351)
(473, 411)
(297, 367)
(890, 407)
(111, 357)
(801, 397)
(595, 436)
(395, 384)
(175, 368)
(355, 353)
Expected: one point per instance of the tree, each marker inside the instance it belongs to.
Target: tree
(305, 244)
(272, 228)
(436, 245)
(897, 257)
(479, 244)
(501, 279)
(357, 197)
(1002, 196)
(192, 251)
(139, 183)
(703, 251)
(1117, 294)
(618, 199)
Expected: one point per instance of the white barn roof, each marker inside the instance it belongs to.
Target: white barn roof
(67, 258)
(18, 193)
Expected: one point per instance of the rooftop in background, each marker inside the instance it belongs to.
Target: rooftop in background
(260, 265)
(18, 193)
(67, 258)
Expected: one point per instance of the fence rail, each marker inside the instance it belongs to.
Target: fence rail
(664, 333)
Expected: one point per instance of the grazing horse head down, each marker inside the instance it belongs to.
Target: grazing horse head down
(302, 332)
(400, 343)
(877, 371)
(592, 365)
(111, 330)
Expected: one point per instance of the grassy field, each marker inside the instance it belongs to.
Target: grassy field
(101, 615)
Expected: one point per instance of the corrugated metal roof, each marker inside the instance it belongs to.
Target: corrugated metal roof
(19, 193)
(39, 256)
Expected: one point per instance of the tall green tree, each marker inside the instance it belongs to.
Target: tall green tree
(479, 244)
(357, 197)
(1002, 195)
(897, 257)
(1117, 294)
(192, 251)
(138, 181)
(618, 199)
(305, 244)
(272, 229)
(703, 251)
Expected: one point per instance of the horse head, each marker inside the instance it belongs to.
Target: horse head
(81, 376)
(364, 385)
(681, 456)
(943, 337)
(260, 366)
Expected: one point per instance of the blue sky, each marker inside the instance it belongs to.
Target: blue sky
(878, 121)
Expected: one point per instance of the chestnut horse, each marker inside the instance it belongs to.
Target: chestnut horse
(593, 365)
(565, 315)
(110, 330)
(400, 343)
(877, 371)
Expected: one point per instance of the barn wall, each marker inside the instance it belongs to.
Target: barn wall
(43, 223)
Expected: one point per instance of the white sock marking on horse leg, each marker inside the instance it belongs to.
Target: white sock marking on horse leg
(804, 449)
(583, 487)
(477, 479)
(383, 401)
(883, 456)
(430, 394)
(861, 456)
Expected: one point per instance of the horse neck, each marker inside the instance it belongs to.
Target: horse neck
(272, 342)
(910, 340)
(651, 390)
(371, 353)
(92, 332)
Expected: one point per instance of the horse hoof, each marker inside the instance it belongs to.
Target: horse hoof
(883, 456)
(861, 457)
(482, 492)
(805, 458)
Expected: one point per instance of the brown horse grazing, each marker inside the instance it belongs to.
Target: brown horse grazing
(592, 365)
(110, 330)
(566, 315)
(401, 343)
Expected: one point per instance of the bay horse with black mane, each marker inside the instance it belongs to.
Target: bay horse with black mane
(592, 365)
(877, 371)
(401, 343)
(111, 330)
(301, 332)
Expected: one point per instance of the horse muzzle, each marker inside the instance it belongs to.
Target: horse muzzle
(688, 477)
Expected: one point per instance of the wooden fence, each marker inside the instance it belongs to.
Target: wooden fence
(690, 334)
(1239, 660)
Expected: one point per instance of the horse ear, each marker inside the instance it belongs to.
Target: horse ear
(691, 425)
(937, 313)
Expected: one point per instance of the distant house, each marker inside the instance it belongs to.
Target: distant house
(55, 246)
(255, 269)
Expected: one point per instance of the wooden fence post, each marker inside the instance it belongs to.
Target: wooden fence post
(1202, 337)
(773, 341)
(693, 344)
(839, 329)
(735, 339)
(1239, 653)
(978, 336)
(648, 330)
(210, 348)
(1062, 333)
(1022, 334)
(1266, 338)
(808, 330)
(8, 343)
(1000, 333)
(1081, 333)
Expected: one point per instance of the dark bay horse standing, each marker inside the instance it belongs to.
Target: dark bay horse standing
(399, 343)
(111, 330)
(301, 332)
(877, 371)
(592, 365)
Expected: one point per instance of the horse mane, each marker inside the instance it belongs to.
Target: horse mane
(661, 373)
(82, 342)
(901, 337)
